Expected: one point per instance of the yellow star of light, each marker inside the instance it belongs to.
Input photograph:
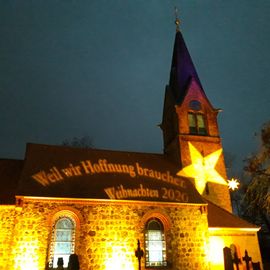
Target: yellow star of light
(233, 184)
(202, 168)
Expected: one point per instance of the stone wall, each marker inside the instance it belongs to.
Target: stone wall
(31, 233)
(7, 218)
(107, 233)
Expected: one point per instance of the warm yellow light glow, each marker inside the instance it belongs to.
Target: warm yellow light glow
(28, 265)
(233, 184)
(118, 260)
(216, 257)
(27, 258)
(202, 168)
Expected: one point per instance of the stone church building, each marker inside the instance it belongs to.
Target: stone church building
(97, 203)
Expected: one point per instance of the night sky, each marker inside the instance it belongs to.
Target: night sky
(99, 69)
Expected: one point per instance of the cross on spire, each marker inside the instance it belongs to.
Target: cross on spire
(177, 20)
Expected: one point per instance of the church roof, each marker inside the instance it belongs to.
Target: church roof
(182, 70)
(220, 218)
(10, 170)
(60, 171)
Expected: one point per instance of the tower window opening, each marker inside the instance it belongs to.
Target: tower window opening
(155, 245)
(195, 105)
(196, 123)
(207, 192)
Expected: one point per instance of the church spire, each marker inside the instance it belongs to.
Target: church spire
(182, 68)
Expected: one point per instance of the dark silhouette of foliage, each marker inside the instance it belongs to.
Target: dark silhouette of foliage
(257, 196)
(79, 142)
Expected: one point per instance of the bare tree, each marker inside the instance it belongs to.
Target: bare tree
(257, 196)
(79, 142)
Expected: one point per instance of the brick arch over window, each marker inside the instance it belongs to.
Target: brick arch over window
(163, 217)
(66, 211)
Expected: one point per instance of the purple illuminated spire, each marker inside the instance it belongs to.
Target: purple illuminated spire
(182, 69)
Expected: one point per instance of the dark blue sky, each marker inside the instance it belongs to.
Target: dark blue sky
(99, 68)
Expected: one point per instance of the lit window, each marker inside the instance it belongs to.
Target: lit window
(63, 240)
(196, 124)
(155, 245)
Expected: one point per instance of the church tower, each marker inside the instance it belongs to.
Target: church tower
(190, 129)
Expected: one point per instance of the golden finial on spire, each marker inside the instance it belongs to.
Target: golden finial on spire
(177, 21)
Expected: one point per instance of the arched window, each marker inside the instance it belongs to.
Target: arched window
(196, 119)
(196, 123)
(63, 240)
(155, 245)
(195, 105)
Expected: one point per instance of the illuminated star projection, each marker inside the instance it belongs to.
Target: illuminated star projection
(233, 184)
(202, 168)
